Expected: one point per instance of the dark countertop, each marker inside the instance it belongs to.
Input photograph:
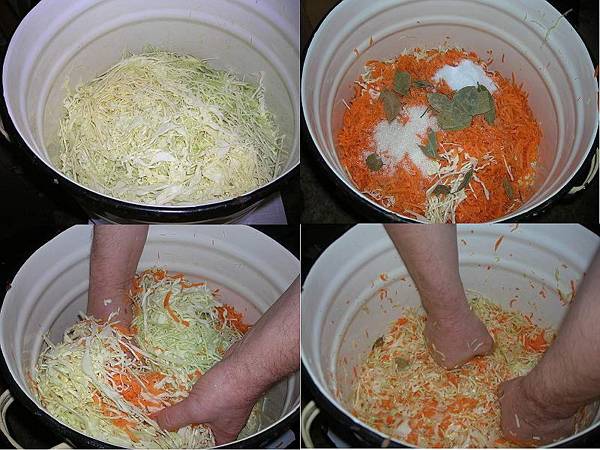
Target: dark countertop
(323, 202)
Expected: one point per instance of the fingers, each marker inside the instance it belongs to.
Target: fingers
(177, 416)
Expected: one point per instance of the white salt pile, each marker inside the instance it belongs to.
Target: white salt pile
(467, 73)
(394, 140)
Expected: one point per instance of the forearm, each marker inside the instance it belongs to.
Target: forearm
(568, 376)
(430, 254)
(116, 250)
(270, 350)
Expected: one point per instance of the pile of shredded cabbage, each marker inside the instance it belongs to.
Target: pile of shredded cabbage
(165, 129)
(402, 392)
(106, 381)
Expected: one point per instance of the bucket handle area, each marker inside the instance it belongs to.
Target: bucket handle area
(309, 414)
(590, 176)
(6, 399)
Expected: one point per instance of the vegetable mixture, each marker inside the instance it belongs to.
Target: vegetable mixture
(402, 392)
(107, 381)
(165, 129)
(437, 136)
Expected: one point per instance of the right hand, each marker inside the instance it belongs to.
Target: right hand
(220, 399)
(456, 337)
(528, 421)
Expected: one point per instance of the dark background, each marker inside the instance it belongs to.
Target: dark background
(323, 202)
(16, 248)
(29, 196)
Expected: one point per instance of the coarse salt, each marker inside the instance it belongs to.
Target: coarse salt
(467, 73)
(395, 140)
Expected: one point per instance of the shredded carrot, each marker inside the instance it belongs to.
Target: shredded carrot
(227, 313)
(514, 137)
(174, 316)
(537, 343)
(498, 242)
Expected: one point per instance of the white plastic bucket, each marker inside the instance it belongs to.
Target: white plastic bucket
(63, 40)
(343, 312)
(51, 288)
(539, 47)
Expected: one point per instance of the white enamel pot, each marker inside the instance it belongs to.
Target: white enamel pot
(542, 49)
(63, 40)
(50, 290)
(343, 311)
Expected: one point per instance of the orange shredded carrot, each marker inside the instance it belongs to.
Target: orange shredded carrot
(514, 137)
(498, 242)
(227, 313)
(538, 343)
(174, 316)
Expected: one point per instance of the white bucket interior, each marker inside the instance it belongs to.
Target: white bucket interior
(51, 289)
(347, 310)
(543, 51)
(62, 41)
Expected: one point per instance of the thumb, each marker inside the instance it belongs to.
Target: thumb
(177, 416)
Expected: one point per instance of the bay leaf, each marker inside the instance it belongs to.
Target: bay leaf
(391, 104)
(402, 82)
(469, 101)
(422, 84)
(466, 180)
(374, 162)
(490, 114)
(441, 189)
(510, 193)
(431, 148)
(401, 363)
(453, 119)
(439, 102)
(378, 343)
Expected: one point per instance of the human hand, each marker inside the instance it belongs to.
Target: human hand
(456, 336)
(527, 420)
(220, 399)
(116, 303)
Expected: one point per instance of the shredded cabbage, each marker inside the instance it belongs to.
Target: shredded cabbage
(401, 391)
(165, 129)
(106, 381)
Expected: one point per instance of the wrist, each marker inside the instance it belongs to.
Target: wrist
(445, 307)
(242, 377)
(539, 397)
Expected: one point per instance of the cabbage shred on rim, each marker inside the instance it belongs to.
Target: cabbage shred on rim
(166, 129)
(106, 381)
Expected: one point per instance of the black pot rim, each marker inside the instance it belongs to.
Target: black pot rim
(377, 213)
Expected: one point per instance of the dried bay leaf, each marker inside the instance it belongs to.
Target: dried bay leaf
(374, 162)
(466, 180)
(454, 119)
(441, 189)
(378, 343)
(402, 82)
(401, 363)
(510, 193)
(431, 148)
(456, 113)
(422, 84)
(439, 102)
(391, 104)
(490, 114)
